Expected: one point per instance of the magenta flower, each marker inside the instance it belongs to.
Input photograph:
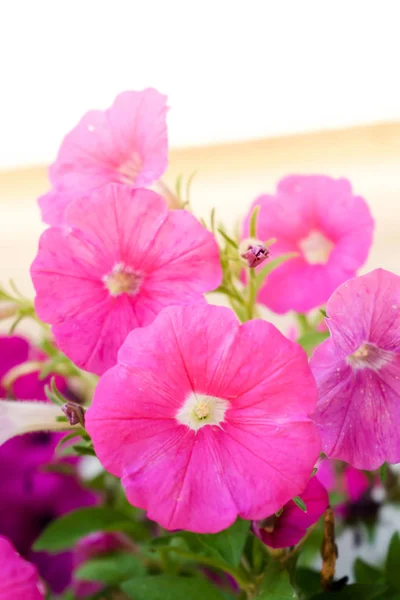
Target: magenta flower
(211, 414)
(125, 257)
(330, 229)
(19, 579)
(358, 372)
(127, 143)
(290, 526)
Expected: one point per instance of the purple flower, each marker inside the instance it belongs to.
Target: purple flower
(358, 372)
(31, 496)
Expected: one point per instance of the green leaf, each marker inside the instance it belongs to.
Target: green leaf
(276, 584)
(300, 503)
(308, 581)
(68, 529)
(358, 591)
(366, 573)
(392, 565)
(253, 222)
(228, 544)
(383, 472)
(228, 239)
(112, 569)
(271, 266)
(308, 341)
(169, 587)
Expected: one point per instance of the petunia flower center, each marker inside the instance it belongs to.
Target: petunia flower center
(370, 356)
(122, 280)
(316, 248)
(199, 410)
(130, 169)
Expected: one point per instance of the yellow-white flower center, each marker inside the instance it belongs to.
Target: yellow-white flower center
(316, 248)
(122, 280)
(370, 356)
(199, 410)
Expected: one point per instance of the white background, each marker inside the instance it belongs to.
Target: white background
(232, 69)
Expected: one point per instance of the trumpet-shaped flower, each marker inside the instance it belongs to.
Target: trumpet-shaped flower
(358, 372)
(329, 228)
(211, 414)
(127, 143)
(124, 258)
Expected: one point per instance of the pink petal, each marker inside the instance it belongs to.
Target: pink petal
(19, 579)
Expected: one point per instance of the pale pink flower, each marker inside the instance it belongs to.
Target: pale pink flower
(206, 419)
(19, 579)
(330, 229)
(358, 372)
(124, 257)
(127, 143)
(290, 526)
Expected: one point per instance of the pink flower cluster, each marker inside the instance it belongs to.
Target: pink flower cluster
(203, 418)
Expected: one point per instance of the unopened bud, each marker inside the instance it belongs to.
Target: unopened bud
(255, 255)
(74, 413)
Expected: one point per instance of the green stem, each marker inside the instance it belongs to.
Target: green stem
(251, 293)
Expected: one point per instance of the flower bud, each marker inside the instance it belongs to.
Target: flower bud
(255, 255)
(74, 413)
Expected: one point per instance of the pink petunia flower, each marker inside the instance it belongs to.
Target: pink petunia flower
(127, 143)
(358, 372)
(124, 258)
(291, 525)
(330, 229)
(19, 579)
(210, 419)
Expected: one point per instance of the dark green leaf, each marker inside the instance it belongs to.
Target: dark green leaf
(111, 569)
(168, 587)
(68, 529)
(308, 581)
(392, 566)
(228, 544)
(383, 472)
(365, 573)
(276, 584)
(358, 591)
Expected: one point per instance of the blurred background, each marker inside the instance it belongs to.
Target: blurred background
(257, 90)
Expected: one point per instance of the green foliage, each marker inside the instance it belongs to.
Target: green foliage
(276, 584)
(310, 340)
(366, 573)
(112, 569)
(392, 564)
(169, 587)
(228, 544)
(63, 533)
